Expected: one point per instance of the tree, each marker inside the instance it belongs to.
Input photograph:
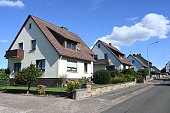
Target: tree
(163, 70)
(143, 72)
(129, 71)
(154, 73)
(28, 76)
(4, 78)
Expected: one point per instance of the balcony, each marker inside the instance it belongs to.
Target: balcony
(15, 54)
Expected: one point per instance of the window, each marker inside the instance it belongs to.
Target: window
(133, 61)
(71, 45)
(105, 56)
(95, 57)
(85, 67)
(20, 46)
(98, 45)
(30, 25)
(40, 64)
(33, 42)
(71, 65)
(17, 67)
(68, 45)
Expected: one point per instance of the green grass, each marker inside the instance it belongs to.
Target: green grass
(98, 85)
(33, 88)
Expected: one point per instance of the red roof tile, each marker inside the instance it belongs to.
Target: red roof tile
(84, 53)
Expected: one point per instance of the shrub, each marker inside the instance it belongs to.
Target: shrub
(143, 72)
(118, 79)
(41, 89)
(115, 73)
(62, 80)
(4, 78)
(128, 77)
(101, 77)
(84, 80)
(139, 79)
(129, 71)
(72, 85)
(28, 75)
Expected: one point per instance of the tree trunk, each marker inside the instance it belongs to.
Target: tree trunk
(28, 90)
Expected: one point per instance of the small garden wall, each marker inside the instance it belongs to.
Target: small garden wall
(86, 92)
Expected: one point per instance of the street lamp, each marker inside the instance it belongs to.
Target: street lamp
(148, 56)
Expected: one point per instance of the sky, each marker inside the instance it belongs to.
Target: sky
(130, 25)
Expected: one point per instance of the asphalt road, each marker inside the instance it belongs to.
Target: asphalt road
(155, 100)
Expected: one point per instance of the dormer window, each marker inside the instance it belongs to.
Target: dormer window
(71, 46)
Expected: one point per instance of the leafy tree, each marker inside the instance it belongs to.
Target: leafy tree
(4, 78)
(154, 72)
(163, 70)
(129, 71)
(28, 76)
(143, 72)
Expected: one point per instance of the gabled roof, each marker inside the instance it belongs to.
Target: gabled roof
(84, 52)
(115, 51)
(156, 69)
(141, 60)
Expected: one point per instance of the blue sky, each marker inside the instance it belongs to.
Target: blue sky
(130, 25)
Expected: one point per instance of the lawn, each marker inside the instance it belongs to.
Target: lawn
(47, 89)
(33, 88)
(98, 85)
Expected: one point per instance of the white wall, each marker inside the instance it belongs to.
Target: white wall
(103, 50)
(136, 65)
(168, 67)
(80, 69)
(44, 50)
(98, 67)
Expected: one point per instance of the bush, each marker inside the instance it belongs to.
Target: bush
(128, 77)
(41, 89)
(84, 80)
(118, 79)
(115, 73)
(63, 80)
(139, 79)
(101, 77)
(4, 78)
(72, 85)
(129, 71)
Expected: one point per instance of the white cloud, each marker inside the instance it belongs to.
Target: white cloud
(151, 25)
(11, 3)
(3, 41)
(132, 19)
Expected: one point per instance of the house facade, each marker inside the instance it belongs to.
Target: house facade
(109, 57)
(138, 62)
(54, 50)
(167, 67)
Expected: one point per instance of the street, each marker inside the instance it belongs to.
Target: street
(155, 100)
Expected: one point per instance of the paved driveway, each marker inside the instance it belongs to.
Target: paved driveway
(13, 103)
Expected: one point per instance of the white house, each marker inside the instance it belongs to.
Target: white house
(138, 62)
(168, 67)
(54, 50)
(109, 57)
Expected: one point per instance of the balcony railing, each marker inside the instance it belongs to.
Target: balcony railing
(15, 54)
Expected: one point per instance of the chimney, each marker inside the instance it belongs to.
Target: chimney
(110, 44)
(64, 28)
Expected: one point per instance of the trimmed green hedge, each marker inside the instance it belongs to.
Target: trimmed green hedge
(101, 77)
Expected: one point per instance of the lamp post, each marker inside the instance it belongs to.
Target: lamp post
(148, 56)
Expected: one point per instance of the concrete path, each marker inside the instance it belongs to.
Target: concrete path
(12, 103)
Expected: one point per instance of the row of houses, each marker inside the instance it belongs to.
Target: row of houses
(57, 51)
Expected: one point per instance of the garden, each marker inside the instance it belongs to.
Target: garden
(29, 75)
